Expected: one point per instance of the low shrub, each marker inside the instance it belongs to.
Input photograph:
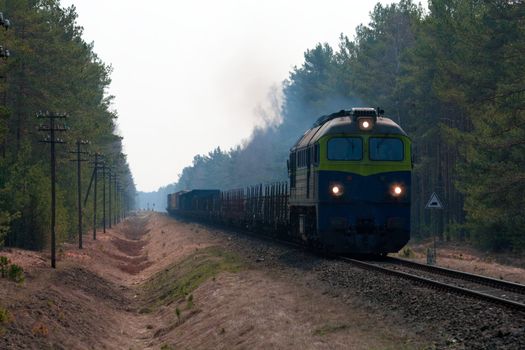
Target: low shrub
(178, 313)
(4, 262)
(16, 273)
(406, 252)
(189, 301)
(5, 316)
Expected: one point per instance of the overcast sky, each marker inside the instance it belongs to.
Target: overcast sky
(189, 75)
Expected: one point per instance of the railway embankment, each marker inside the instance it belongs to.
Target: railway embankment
(152, 282)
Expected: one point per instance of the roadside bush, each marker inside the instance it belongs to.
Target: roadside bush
(406, 252)
(5, 316)
(178, 313)
(166, 347)
(5, 224)
(4, 262)
(189, 301)
(16, 273)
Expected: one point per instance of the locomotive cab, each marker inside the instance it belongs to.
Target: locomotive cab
(350, 178)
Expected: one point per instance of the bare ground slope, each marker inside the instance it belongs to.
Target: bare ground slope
(153, 282)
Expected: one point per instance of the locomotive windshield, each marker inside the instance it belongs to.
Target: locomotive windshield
(345, 148)
(389, 149)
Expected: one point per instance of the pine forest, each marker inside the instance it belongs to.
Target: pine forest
(452, 76)
(51, 70)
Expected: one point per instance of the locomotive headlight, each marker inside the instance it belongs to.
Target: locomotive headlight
(366, 123)
(397, 190)
(336, 190)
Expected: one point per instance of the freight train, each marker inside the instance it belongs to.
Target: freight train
(348, 190)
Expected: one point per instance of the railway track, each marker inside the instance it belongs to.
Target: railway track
(496, 291)
(504, 293)
(500, 292)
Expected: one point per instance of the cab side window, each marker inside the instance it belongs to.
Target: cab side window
(316, 154)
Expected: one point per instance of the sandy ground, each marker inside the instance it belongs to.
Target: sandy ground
(466, 258)
(110, 296)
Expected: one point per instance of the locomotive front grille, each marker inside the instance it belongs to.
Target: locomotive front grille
(365, 225)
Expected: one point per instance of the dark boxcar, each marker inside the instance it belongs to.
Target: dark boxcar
(197, 203)
(173, 202)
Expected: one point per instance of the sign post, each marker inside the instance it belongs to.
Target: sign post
(433, 203)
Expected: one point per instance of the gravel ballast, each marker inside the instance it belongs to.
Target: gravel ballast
(448, 321)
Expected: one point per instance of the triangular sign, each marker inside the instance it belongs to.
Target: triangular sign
(434, 202)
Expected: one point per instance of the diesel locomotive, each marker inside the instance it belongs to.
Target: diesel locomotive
(348, 190)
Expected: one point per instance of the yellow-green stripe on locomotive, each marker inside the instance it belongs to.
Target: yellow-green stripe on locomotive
(350, 177)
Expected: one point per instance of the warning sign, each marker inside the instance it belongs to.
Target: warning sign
(434, 202)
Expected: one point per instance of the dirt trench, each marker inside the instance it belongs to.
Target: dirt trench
(155, 283)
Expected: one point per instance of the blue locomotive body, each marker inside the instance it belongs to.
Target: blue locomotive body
(350, 178)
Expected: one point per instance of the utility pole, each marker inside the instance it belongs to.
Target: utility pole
(94, 180)
(52, 128)
(104, 197)
(120, 204)
(116, 200)
(95, 173)
(79, 160)
(109, 196)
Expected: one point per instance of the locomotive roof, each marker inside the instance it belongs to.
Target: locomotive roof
(346, 125)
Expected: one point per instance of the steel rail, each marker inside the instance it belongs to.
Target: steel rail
(485, 280)
(437, 285)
